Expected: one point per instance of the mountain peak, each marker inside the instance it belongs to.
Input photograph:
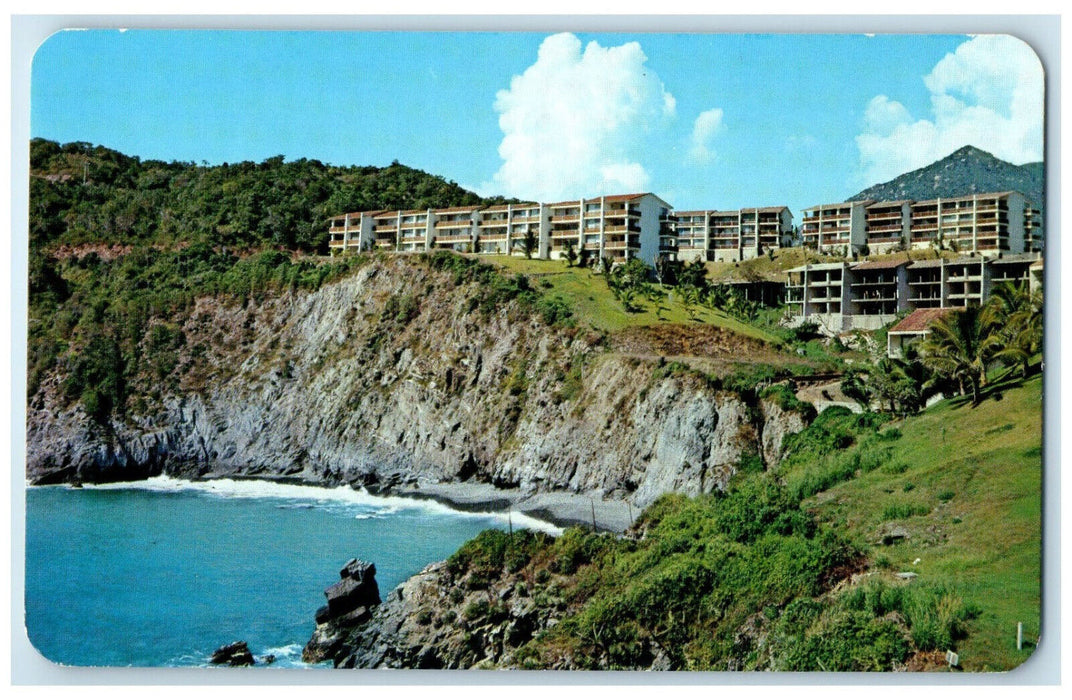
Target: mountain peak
(966, 170)
(969, 150)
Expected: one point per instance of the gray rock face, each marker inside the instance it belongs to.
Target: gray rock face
(331, 387)
(350, 602)
(778, 423)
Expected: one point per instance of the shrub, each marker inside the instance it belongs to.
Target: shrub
(890, 434)
(902, 511)
(843, 640)
(477, 610)
(575, 548)
(784, 397)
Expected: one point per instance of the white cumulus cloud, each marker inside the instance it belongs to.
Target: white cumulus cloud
(575, 122)
(704, 129)
(988, 93)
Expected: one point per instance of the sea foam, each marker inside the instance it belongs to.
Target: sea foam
(303, 496)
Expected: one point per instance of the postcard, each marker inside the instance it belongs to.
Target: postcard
(535, 350)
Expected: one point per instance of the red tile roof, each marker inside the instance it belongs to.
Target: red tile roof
(456, 210)
(929, 262)
(623, 197)
(518, 205)
(919, 321)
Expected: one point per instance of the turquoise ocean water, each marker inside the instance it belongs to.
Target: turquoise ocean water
(161, 573)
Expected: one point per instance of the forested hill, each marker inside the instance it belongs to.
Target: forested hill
(964, 171)
(81, 193)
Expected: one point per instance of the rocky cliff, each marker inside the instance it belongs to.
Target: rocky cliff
(403, 374)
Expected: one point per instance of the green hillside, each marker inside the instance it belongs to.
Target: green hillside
(874, 546)
(81, 193)
(966, 485)
(593, 303)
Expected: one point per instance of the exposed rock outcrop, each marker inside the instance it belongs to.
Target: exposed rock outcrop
(433, 620)
(233, 654)
(394, 376)
(350, 603)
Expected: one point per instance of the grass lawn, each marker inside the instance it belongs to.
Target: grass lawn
(974, 476)
(594, 305)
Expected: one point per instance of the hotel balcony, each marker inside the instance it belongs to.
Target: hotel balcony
(619, 244)
(449, 238)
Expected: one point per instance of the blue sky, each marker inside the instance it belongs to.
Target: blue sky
(703, 120)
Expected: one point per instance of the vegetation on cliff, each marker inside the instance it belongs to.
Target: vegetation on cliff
(867, 549)
(120, 247)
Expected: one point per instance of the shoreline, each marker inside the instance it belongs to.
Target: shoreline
(560, 509)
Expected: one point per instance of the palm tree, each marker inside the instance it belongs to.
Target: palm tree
(1014, 314)
(570, 255)
(690, 297)
(605, 266)
(529, 243)
(960, 347)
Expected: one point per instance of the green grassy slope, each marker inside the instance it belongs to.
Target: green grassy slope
(594, 305)
(966, 484)
(789, 569)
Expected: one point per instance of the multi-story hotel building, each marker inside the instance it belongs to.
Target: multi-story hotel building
(834, 228)
(886, 225)
(989, 224)
(732, 236)
(868, 295)
(618, 227)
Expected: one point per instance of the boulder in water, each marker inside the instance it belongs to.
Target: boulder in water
(233, 654)
(350, 603)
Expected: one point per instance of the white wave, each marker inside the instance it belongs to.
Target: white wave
(288, 651)
(326, 496)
